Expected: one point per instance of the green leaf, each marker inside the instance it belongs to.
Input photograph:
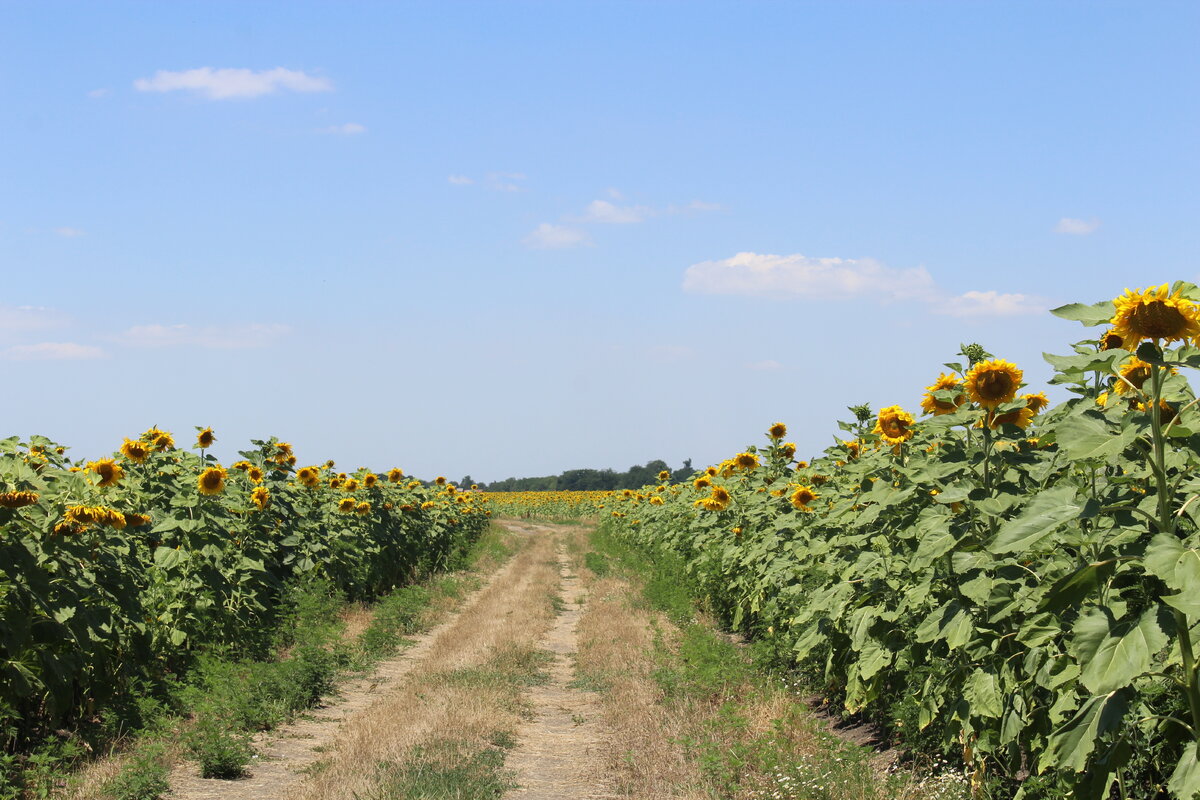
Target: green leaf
(1039, 519)
(1124, 655)
(1187, 602)
(169, 557)
(178, 637)
(1069, 746)
(1089, 436)
(951, 622)
(1072, 589)
(1176, 564)
(1185, 780)
(1097, 314)
(983, 693)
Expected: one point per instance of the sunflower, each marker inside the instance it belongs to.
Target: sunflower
(788, 450)
(1111, 341)
(777, 431)
(255, 474)
(335, 483)
(346, 505)
(260, 497)
(370, 479)
(663, 475)
(309, 476)
(17, 499)
(1102, 399)
(439, 480)
(137, 520)
(395, 475)
(363, 508)
(1154, 314)
(1036, 402)
(656, 501)
(944, 382)
(853, 447)
(428, 504)
(110, 471)
(205, 438)
(894, 425)
(1021, 418)
(1166, 411)
(745, 461)
(242, 465)
(802, 497)
(283, 450)
(703, 482)
(351, 485)
(137, 452)
(721, 496)
(212, 480)
(993, 383)
(164, 441)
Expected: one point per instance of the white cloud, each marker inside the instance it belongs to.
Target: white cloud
(30, 318)
(223, 84)
(556, 237)
(845, 279)
(1077, 227)
(52, 351)
(801, 276)
(991, 304)
(69, 233)
(700, 205)
(97, 93)
(764, 366)
(348, 129)
(606, 212)
(218, 337)
(460, 180)
(505, 181)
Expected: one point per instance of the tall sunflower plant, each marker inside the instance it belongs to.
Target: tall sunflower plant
(999, 582)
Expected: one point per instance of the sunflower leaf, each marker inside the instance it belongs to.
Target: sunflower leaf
(1096, 314)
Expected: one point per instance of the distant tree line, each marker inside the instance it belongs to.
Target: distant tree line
(591, 479)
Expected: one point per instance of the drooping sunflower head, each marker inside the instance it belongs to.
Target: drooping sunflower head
(894, 425)
(205, 438)
(212, 480)
(1036, 402)
(993, 383)
(656, 500)
(283, 450)
(1111, 341)
(164, 441)
(137, 452)
(703, 482)
(346, 505)
(1133, 374)
(1154, 314)
(853, 447)
(260, 496)
(110, 471)
(395, 475)
(17, 499)
(335, 482)
(745, 460)
(351, 485)
(370, 479)
(1021, 418)
(241, 465)
(363, 508)
(802, 497)
(1166, 411)
(944, 382)
(255, 474)
(777, 431)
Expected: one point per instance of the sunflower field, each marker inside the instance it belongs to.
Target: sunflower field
(568, 505)
(1013, 586)
(120, 570)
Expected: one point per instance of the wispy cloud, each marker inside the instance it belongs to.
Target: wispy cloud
(227, 83)
(98, 93)
(30, 318)
(346, 129)
(556, 237)
(505, 181)
(68, 233)
(800, 276)
(764, 366)
(606, 212)
(460, 180)
(52, 351)
(1077, 227)
(217, 337)
(700, 205)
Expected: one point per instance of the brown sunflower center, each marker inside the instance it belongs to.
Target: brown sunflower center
(211, 480)
(1157, 320)
(995, 385)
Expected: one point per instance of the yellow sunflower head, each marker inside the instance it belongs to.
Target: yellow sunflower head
(802, 497)
(1036, 402)
(853, 447)
(788, 450)
(255, 474)
(745, 460)
(137, 452)
(205, 438)
(260, 497)
(663, 475)
(395, 475)
(1134, 373)
(1166, 411)
(944, 382)
(1021, 418)
(110, 471)
(993, 383)
(212, 480)
(440, 480)
(721, 495)
(370, 479)
(777, 431)
(894, 425)
(1111, 341)
(1154, 314)
(350, 485)
(309, 476)
(164, 441)
(703, 482)
(17, 499)
(363, 508)
(347, 505)
(711, 472)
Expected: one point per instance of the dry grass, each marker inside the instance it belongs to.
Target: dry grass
(465, 690)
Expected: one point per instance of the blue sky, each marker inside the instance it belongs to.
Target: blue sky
(503, 238)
